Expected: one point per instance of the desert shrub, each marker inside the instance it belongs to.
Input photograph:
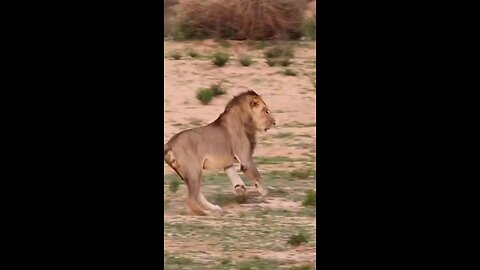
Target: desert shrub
(217, 90)
(224, 43)
(310, 199)
(192, 53)
(168, 15)
(240, 19)
(309, 28)
(271, 62)
(245, 60)
(298, 239)
(176, 55)
(220, 59)
(279, 51)
(289, 72)
(284, 62)
(205, 95)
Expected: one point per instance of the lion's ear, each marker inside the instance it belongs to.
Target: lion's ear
(254, 102)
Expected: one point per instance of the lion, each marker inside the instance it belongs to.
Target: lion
(227, 140)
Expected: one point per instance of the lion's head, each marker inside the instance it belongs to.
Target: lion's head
(261, 115)
(256, 108)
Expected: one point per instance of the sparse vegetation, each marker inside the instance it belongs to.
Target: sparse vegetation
(205, 95)
(245, 60)
(302, 267)
(226, 261)
(309, 28)
(283, 135)
(226, 199)
(272, 160)
(303, 173)
(278, 51)
(258, 263)
(284, 62)
(220, 59)
(271, 62)
(300, 125)
(224, 43)
(217, 90)
(257, 45)
(174, 184)
(298, 239)
(311, 198)
(279, 55)
(192, 53)
(289, 72)
(176, 55)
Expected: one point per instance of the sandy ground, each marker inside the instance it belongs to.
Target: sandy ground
(292, 100)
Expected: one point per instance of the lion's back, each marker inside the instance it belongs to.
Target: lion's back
(206, 139)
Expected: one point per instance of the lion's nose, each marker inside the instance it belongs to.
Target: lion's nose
(274, 123)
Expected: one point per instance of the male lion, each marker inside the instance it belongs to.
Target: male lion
(218, 145)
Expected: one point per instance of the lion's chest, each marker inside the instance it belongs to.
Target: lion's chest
(217, 162)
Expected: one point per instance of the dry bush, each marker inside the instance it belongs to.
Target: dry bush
(168, 16)
(240, 19)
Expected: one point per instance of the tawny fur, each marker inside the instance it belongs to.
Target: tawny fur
(218, 145)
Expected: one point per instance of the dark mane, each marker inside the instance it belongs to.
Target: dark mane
(249, 127)
(238, 98)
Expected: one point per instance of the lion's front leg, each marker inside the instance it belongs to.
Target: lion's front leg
(239, 188)
(250, 170)
(244, 156)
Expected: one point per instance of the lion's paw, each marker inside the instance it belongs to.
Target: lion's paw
(240, 190)
(263, 191)
(218, 212)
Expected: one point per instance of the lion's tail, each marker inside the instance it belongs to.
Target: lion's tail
(171, 160)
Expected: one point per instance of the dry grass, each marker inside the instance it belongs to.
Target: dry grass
(240, 19)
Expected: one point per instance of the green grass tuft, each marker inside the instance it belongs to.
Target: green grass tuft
(217, 90)
(205, 95)
(298, 239)
(289, 72)
(174, 185)
(220, 59)
(279, 51)
(245, 60)
(311, 198)
(192, 53)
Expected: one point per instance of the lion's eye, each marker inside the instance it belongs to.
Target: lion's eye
(267, 111)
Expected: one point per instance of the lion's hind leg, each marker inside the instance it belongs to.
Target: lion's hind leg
(208, 205)
(192, 180)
